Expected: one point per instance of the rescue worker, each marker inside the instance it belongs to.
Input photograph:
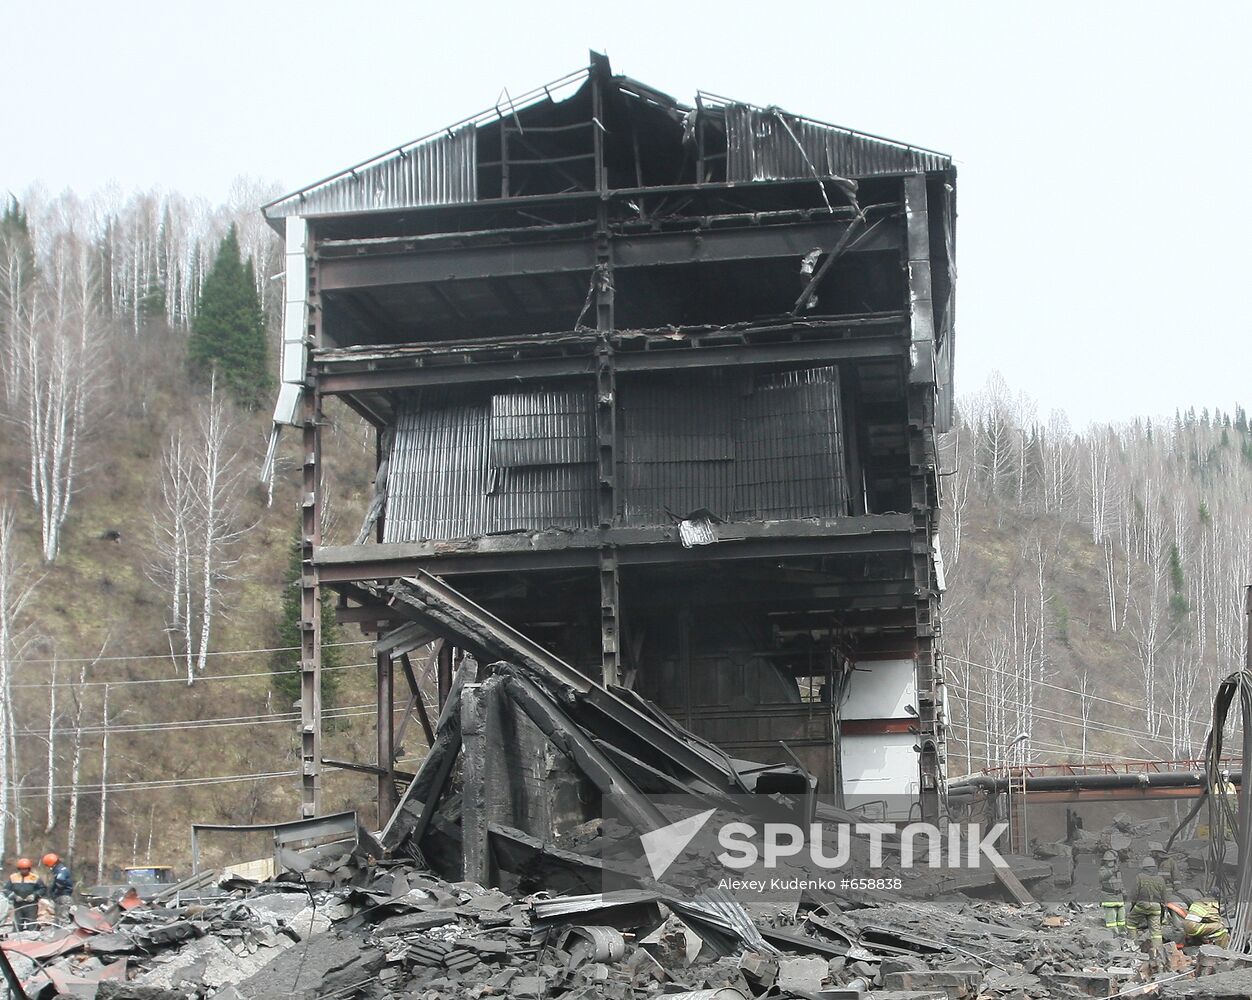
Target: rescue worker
(61, 887)
(24, 890)
(1146, 904)
(1172, 869)
(1114, 904)
(1201, 923)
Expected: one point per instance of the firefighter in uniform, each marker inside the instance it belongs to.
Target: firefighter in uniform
(1146, 904)
(24, 890)
(1114, 904)
(61, 887)
(1173, 870)
(1201, 923)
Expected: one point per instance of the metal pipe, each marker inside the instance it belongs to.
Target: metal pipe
(1074, 782)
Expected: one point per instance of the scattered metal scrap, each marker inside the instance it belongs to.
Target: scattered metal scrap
(358, 927)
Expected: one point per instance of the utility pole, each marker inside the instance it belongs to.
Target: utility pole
(1247, 644)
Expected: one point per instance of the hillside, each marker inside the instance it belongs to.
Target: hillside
(1094, 578)
(1096, 581)
(99, 612)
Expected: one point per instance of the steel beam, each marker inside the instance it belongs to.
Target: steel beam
(310, 586)
(657, 249)
(444, 662)
(413, 373)
(386, 738)
(921, 305)
(650, 546)
(433, 602)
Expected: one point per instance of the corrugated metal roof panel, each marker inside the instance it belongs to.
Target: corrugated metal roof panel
(442, 170)
(769, 144)
(438, 169)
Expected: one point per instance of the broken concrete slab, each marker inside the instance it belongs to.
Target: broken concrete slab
(802, 975)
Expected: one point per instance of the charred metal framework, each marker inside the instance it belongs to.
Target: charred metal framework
(658, 385)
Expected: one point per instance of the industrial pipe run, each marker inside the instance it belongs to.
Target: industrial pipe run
(994, 785)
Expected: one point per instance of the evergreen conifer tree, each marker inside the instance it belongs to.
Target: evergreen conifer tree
(228, 332)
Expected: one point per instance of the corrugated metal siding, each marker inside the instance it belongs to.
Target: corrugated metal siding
(790, 461)
(761, 449)
(439, 171)
(769, 449)
(542, 428)
(677, 449)
(444, 483)
(768, 144)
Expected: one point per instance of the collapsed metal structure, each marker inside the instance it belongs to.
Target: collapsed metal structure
(658, 385)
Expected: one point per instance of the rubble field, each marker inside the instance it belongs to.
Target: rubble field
(357, 927)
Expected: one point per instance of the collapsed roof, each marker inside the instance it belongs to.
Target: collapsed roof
(544, 143)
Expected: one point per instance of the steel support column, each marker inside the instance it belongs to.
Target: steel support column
(924, 500)
(310, 540)
(444, 668)
(606, 435)
(311, 610)
(386, 738)
(606, 409)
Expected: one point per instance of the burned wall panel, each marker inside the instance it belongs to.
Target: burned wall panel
(765, 448)
(466, 468)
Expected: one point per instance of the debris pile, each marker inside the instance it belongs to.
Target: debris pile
(383, 929)
(511, 868)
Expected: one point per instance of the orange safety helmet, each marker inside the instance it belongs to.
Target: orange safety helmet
(24, 865)
(50, 859)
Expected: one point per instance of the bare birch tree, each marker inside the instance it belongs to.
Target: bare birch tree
(59, 374)
(104, 787)
(79, 695)
(50, 805)
(17, 285)
(16, 588)
(174, 527)
(198, 525)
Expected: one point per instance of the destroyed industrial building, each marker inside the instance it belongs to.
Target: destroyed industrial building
(655, 391)
(657, 385)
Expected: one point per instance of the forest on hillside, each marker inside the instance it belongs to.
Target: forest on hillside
(1094, 575)
(146, 674)
(1096, 580)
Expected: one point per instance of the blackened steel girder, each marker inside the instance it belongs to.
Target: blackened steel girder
(658, 249)
(385, 676)
(926, 602)
(635, 546)
(606, 459)
(414, 374)
(924, 498)
(310, 586)
(433, 602)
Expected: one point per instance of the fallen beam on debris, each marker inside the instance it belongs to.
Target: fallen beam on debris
(700, 766)
(431, 780)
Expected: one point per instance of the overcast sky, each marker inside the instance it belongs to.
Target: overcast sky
(1103, 148)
